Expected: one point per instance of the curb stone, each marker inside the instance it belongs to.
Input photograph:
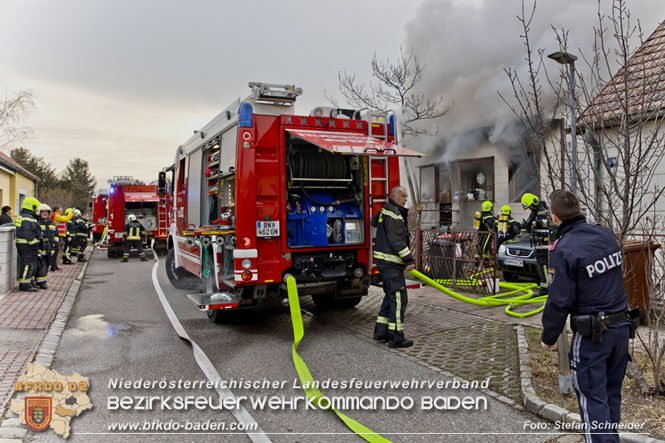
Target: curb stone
(549, 411)
(10, 429)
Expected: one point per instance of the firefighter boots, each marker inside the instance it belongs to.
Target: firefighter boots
(42, 285)
(404, 343)
(26, 287)
(144, 259)
(381, 337)
(124, 260)
(82, 259)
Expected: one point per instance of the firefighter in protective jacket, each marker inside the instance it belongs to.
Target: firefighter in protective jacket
(82, 234)
(485, 222)
(586, 281)
(538, 225)
(133, 238)
(47, 247)
(28, 239)
(392, 255)
(507, 227)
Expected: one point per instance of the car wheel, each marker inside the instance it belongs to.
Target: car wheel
(510, 277)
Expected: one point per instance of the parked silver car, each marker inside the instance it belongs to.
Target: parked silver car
(517, 258)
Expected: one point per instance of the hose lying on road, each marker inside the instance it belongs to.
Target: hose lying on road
(306, 378)
(253, 430)
(492, 300)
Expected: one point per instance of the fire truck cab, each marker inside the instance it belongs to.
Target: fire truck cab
(259, 193)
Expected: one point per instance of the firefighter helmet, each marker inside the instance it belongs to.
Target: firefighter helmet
(528, 200)
(77, 213)
(131, 217)
(31, 204)
(487, 206)
(44, 207)
(506, 210)
(68, 211)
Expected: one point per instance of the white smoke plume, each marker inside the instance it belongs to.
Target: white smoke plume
(465, 48)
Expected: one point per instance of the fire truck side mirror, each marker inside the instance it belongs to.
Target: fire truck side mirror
(161, 182)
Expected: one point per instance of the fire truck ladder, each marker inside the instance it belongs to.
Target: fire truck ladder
(380, 180)
(162, 226)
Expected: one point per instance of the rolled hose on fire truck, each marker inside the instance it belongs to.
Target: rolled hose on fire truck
(492, 300)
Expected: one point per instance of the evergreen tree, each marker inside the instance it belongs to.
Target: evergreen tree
(79, 181)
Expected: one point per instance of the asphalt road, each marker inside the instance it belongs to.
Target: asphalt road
(118, 330)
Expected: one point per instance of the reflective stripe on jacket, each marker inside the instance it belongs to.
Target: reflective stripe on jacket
(392, 237)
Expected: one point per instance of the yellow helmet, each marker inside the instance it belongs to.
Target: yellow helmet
(506, 210)
(31, 204)
(528, 200)
(68, 211)
(487, 206)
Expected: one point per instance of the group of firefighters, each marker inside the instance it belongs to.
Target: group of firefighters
(40, 233)
(506, 228)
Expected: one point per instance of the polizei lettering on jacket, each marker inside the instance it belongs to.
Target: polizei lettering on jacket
(604, 264)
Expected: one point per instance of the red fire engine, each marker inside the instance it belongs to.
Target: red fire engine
(98, 209)
(260, 193)
(130, 196)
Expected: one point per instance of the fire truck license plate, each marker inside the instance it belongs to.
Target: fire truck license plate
(267, 229)
(513, 262)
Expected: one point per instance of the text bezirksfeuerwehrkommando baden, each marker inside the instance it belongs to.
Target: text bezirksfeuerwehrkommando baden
(328, 383)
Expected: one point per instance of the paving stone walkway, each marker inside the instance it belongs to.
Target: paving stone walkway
(24, 319)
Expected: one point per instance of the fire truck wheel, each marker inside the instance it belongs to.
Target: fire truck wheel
(510, 277)
(179, 277)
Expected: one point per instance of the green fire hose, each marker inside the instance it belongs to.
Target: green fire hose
(491, 300)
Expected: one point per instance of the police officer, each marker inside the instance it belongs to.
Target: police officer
(392, 255)
(133, 238)
(507, 227)
(538, 225)
(586, 281)
(487, 224)
(28, 238)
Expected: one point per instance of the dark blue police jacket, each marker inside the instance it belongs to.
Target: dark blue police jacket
(585, 275)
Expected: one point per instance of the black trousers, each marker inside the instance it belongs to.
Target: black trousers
(542, 256)
(53, 263)
(133, 244)
(598, 370)
(390, 320)
(27, 264)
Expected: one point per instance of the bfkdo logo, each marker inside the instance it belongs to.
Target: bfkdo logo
(38, 412)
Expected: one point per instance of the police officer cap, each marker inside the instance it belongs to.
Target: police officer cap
(528, 200)
(31, 204)
(506, 210)
(487, 205)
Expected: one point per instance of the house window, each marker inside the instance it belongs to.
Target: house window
(21, 196)
(522, 176)
(473, 179)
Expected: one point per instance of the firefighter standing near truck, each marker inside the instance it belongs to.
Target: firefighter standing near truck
(133, 238)
(82, 235)
(70, 239)
(392, 255)
(47, 246)
(28, 238)
(538, 224)
(586, 281)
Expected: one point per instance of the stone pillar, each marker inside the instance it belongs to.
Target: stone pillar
(7, 259)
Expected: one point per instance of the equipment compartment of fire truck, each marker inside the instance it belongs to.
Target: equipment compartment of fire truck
(126, 196)
(260, 193)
